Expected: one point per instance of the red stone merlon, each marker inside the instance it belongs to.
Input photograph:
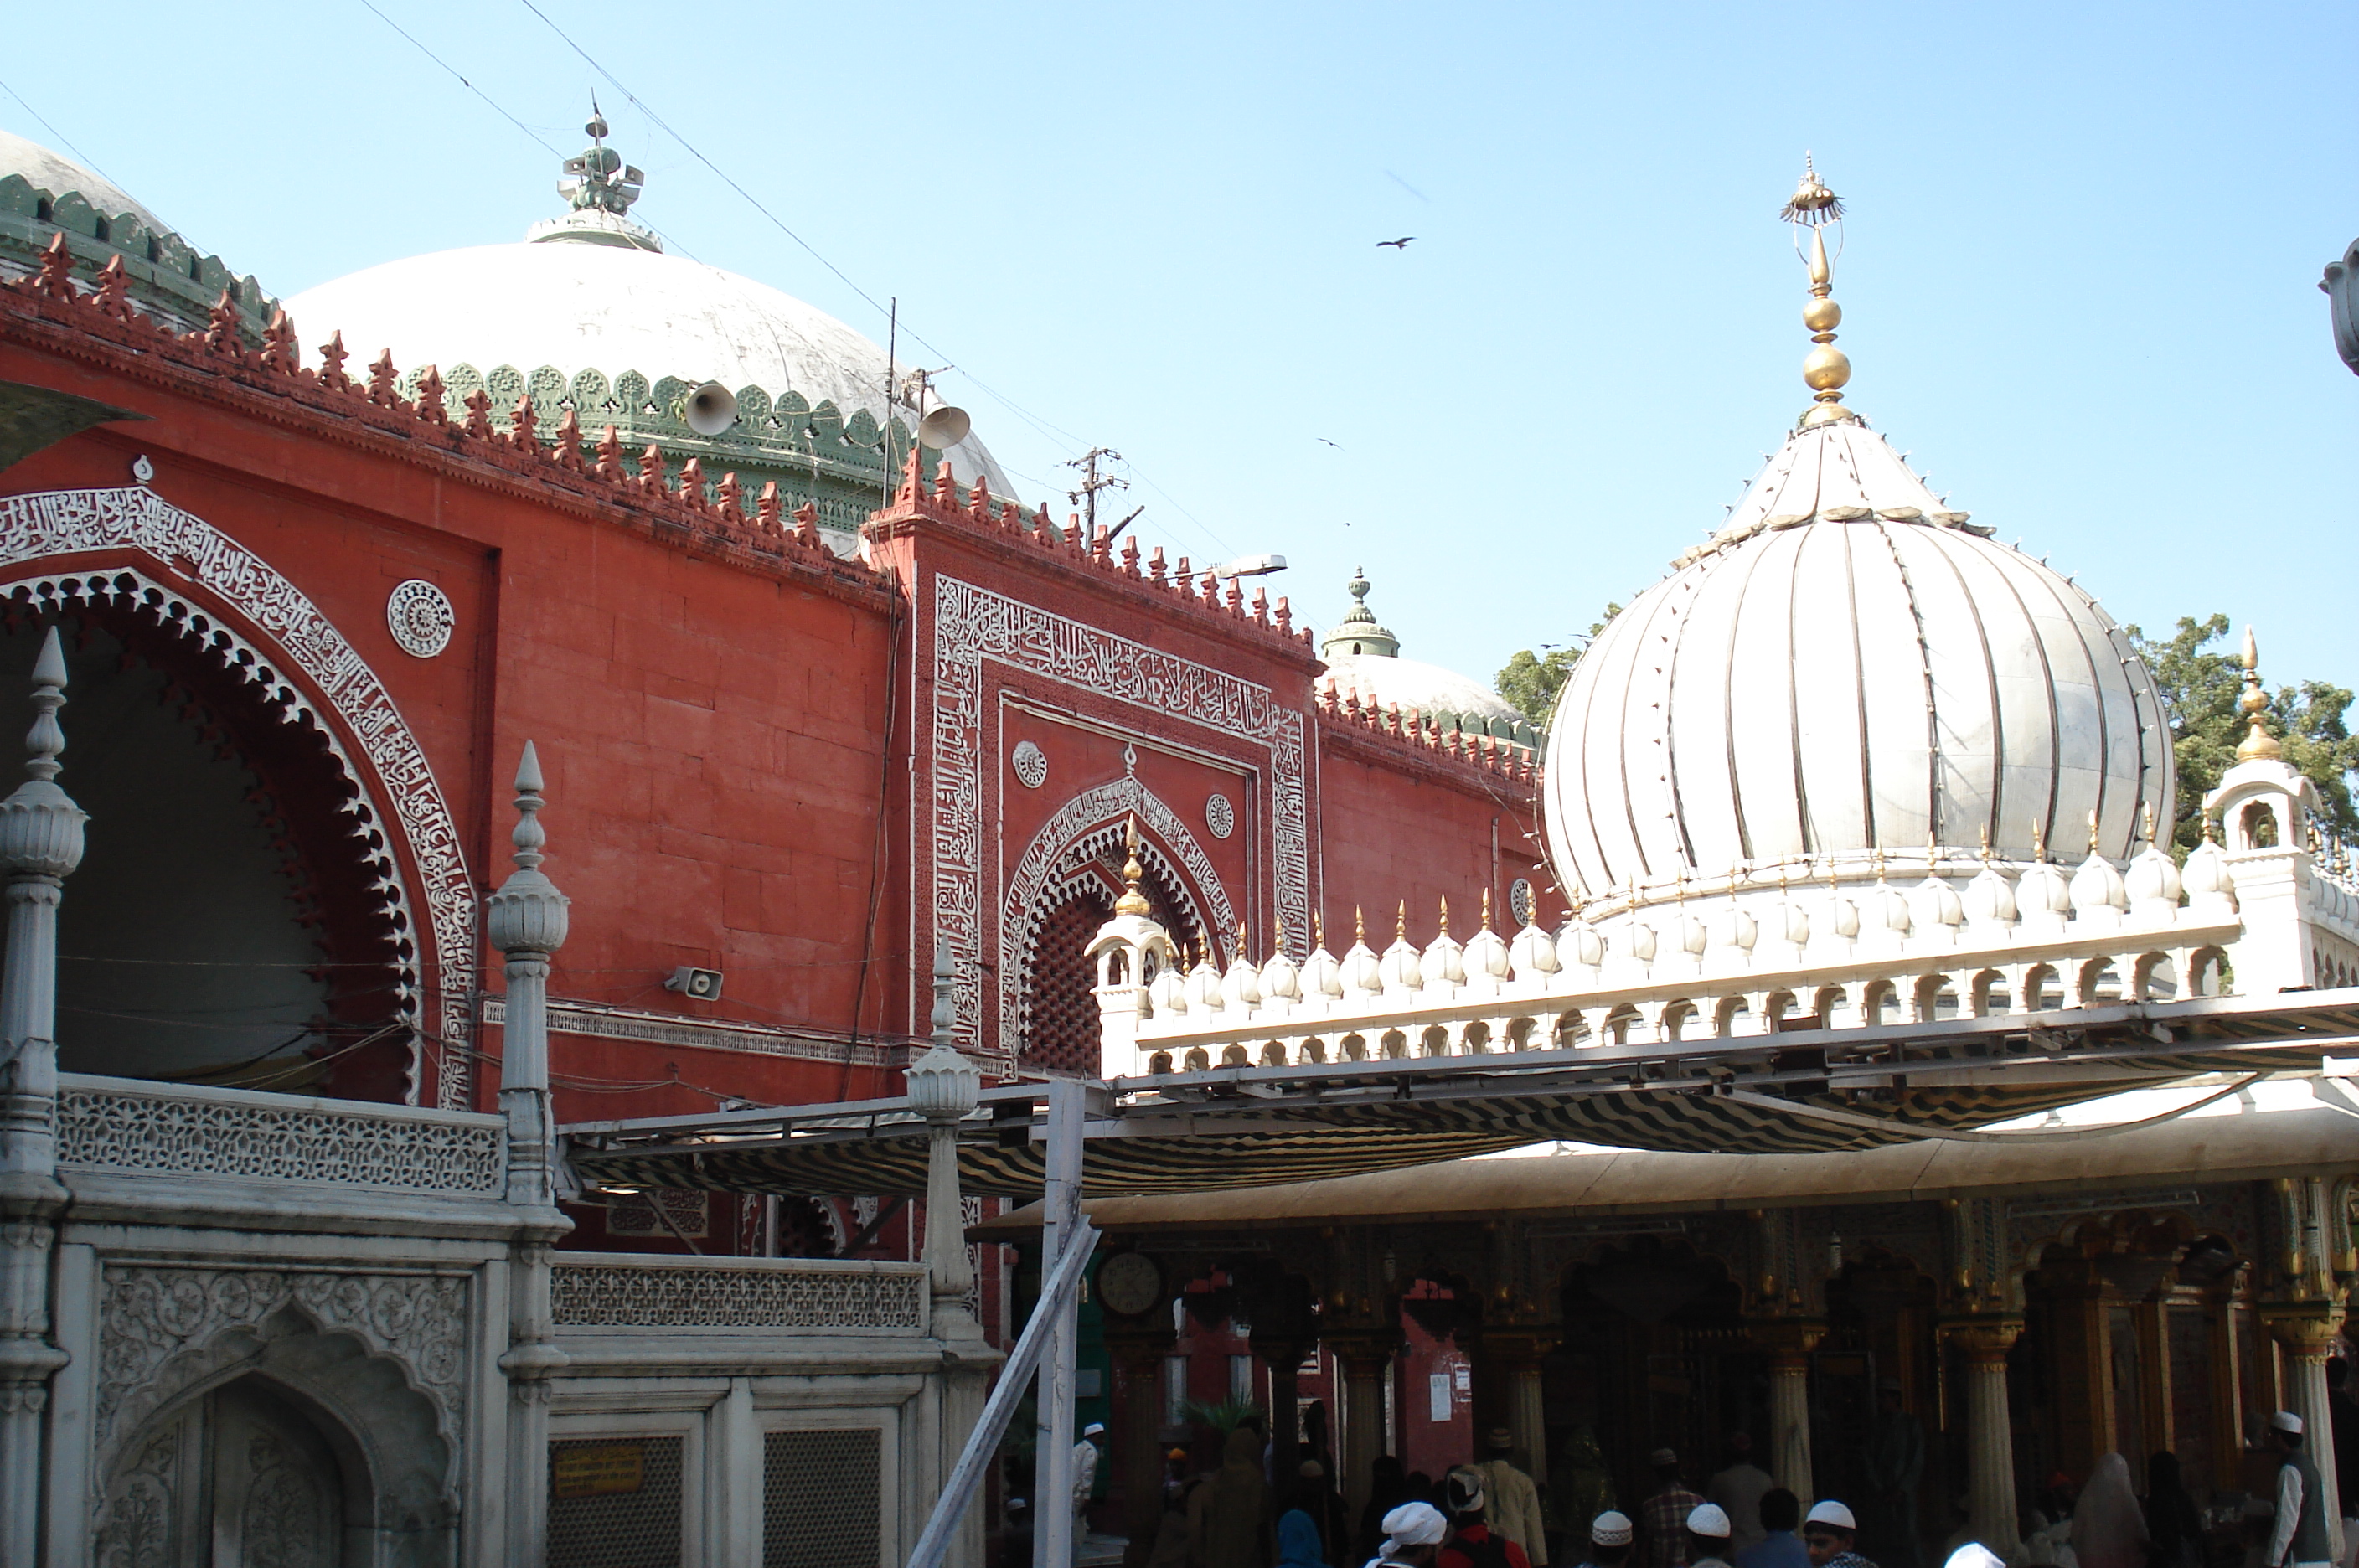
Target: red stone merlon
(98, 327)
(1033, 541)
(1391, 734)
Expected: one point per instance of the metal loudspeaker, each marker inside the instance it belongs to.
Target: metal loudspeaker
(711, 408)
(944, 428)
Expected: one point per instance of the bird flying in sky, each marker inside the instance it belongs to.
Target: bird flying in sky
(1400, 244)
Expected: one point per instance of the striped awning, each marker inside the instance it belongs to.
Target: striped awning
(1153, 1154)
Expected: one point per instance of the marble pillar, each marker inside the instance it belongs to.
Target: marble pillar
(41, 843)
(1365, 1358)
(2307, 1332)
(1983, 1342)
(1790, 1342)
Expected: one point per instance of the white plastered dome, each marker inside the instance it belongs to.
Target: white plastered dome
(1849, 670)
(586, 306)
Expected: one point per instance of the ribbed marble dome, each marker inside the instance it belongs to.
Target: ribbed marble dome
(1848, 668)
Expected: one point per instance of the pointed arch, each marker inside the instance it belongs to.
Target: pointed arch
(252, 617)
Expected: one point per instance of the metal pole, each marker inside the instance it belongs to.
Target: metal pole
(1015, 1376)
(1060, 1231)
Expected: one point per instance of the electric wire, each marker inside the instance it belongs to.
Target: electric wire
(63, 140)
(1048, 430)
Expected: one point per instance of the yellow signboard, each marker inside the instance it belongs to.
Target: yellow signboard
(598, 1472)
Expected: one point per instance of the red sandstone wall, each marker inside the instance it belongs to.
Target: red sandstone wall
(710, 733)
(1392, 826)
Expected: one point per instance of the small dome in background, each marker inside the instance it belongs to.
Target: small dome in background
(1364, 660)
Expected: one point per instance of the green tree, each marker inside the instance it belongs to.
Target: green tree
(1532, 680)
(2200, 686)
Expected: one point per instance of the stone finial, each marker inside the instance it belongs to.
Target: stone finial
(431, 404)
(40, 826)
(527, 914)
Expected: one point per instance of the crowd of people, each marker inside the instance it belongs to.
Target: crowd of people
(1257, 1511)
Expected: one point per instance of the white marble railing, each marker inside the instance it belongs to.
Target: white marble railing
(129, 1126)
(652, 1291)
(1633, 984)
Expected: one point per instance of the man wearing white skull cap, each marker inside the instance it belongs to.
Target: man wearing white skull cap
(2301, 1540)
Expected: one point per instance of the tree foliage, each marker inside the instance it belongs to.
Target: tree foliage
(1531, 681)
(2200, 685)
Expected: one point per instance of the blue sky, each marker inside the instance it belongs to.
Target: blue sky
(2079, 284)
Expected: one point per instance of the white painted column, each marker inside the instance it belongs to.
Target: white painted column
(526, 921)
(41, 843)
(2307, 1332)
(1990, 1430)
(1052, 1508)
(944, 1087)
(1790, 1342)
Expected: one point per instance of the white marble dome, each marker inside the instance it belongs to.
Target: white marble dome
(563, 299)
(1382, 681)
(1849, 670)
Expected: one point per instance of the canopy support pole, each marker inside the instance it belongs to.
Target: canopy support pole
(1055, 1513)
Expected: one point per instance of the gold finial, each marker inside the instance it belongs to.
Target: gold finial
(1241, 943)
(1277, 936)
(2039, 844)
(2092, 833)
(1359, 926)
(1826, 369)
(1133, 901)
(1986, 848)
(1318, 928)
(1486, 909)
(1400, 922)
(1445, 914)
(2259, 744)
(2146, 817)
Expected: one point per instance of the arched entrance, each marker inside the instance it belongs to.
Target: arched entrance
(234, 921)
(277, 1440)
(345, 788)
(1063, 890)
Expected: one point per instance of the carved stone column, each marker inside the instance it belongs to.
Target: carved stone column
(526, 921)
(1990, 1433)
(1366, 1356)
(41, 843)
(944, 1087)
(2307, 1330)
(1137, 1347)
(1790, 1342)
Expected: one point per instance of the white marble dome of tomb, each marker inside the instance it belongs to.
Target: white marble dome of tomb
(1846, 671)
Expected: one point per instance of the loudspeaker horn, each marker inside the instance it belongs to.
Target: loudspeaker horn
(944, 428)
(711, 408)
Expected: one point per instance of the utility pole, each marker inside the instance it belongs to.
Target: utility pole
(1086, 497)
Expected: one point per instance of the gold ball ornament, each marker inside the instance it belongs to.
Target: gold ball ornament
(1823, 315)
(1826, 369)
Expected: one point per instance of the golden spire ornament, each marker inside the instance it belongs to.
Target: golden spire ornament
(1133, 901)
(2259, 744)
(1826, 369)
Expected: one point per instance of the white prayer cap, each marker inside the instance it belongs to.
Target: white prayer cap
(1414, 1524)
(1708, 1518)
(1831, 1513)
(1093, 1428)
(2286, 1420)
(1975, 1554)
(1611, 1527)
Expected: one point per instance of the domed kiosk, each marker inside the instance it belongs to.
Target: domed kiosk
(1364, 662)
(1849, 673)
(589, 313)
